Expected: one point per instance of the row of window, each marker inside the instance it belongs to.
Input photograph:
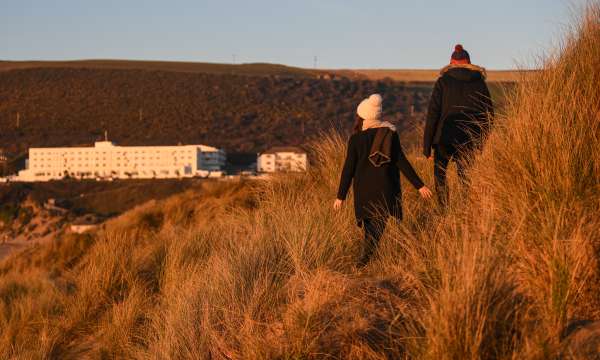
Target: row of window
(41, 166)
(92, 152)
(36, 164)
(284, 154)
(284, 161)
(33, 158)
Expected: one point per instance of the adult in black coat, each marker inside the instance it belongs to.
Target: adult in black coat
(373, 161)
(459, 115)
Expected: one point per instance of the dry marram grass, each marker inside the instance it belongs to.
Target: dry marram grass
(268, 271)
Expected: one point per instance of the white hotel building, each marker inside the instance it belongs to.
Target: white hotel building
(105, 161)
(282, 159)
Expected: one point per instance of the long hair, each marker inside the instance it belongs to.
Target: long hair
(358, 123)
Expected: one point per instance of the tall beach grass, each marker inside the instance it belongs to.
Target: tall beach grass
(268, 270)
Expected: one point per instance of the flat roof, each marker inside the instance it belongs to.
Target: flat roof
(280, 149)
(108, 144)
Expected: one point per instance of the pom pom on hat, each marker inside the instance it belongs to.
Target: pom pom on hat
(375, 99)
(460, 54)
(370, 108)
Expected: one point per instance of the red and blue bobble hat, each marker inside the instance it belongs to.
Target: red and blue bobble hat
(460, 55)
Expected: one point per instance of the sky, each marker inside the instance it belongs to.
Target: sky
(499, 34)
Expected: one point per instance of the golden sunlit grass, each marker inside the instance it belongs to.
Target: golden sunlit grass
(269, 271)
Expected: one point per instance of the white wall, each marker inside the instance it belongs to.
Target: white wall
(265, 163)
(282, 161)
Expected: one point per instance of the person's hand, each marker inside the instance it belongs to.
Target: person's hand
(425, 192)
(337, 204)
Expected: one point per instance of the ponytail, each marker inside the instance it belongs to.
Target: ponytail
(358, 123)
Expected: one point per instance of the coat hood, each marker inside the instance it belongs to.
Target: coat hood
(464, 72)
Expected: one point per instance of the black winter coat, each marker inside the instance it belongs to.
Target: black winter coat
(459, 108)
(375, 188)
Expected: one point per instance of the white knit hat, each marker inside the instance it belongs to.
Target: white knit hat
(370, 108)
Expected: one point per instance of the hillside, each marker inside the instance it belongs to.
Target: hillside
(255, 69)
(27, 219)
(252, 69)
(71, 106)
(425, 75)
(511, 270)
(243, 108)
(267, 270)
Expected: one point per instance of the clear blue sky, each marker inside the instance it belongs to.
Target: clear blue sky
(341, 33)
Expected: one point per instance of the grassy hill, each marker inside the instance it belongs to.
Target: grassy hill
(509, 271)
(427, 76)
(243, 108)
(72, 106)
(95, 197)
(254, 69)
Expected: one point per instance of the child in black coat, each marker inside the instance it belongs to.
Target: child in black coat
(373, 161)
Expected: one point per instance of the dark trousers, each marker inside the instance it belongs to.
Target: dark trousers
(374, 228)
(442, 156)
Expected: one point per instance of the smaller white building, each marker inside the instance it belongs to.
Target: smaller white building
(282, 159)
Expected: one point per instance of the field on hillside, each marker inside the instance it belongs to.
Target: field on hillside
(426, 76)
(511, 270)
(253, 69)
(256, 69)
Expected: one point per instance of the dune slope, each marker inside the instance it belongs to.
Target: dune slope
(269, 271)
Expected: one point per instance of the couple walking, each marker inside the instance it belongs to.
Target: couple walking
(458, 117)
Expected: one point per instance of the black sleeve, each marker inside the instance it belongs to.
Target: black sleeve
(348, 171)
(434, 112)
(405, 166)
